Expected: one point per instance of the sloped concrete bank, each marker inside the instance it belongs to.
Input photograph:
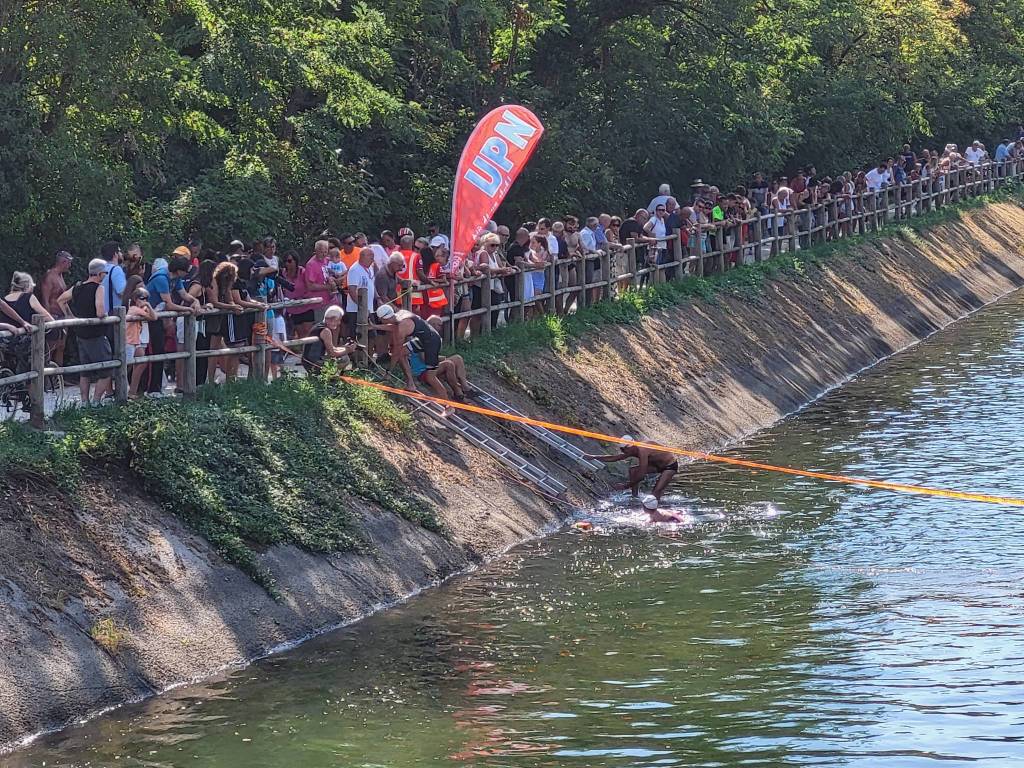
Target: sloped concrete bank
(105, 598)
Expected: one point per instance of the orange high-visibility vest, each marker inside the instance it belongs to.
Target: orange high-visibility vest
(436, 297)
(412, 266)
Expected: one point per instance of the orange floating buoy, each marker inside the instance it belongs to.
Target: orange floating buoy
(583, 525)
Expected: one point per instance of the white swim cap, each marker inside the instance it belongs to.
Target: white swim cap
(650, 502)
(385, 312)
(628, 437)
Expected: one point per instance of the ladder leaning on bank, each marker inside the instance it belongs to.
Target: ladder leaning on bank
(505, 455)
(556, 441)
(502, 453)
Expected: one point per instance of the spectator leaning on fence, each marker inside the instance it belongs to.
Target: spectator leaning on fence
(166, 289)
(87, 301)
(23, 302)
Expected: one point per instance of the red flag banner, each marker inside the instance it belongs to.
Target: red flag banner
(496, 152)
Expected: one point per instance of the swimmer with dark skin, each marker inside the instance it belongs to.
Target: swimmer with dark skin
(649, 462)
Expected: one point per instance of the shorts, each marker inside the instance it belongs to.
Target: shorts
(303, 317)
(539, 281)
(94, 351)
(419, 368)
(131, 351)
(673, 467)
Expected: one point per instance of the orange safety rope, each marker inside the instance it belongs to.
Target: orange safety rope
(882, 484)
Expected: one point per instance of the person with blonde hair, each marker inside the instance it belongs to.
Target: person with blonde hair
(21, 304)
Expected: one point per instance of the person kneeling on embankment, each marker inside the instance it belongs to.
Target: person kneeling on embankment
(649, 462)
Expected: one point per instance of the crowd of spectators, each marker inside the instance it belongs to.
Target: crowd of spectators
(229, 292)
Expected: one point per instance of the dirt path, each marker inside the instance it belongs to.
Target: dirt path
(107, 598)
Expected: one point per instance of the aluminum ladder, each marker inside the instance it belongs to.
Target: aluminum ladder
(553, 439)
(502, 453)
(505, 455)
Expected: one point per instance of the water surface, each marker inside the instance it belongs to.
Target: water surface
(791, 622)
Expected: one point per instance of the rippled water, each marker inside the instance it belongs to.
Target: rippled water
(790, 623)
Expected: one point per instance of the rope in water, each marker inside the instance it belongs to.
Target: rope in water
(755, 465)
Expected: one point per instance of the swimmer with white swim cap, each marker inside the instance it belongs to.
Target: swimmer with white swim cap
(658, 516)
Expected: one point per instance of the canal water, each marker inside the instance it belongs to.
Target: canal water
(788, 622)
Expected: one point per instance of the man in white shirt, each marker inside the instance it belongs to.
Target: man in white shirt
(589, 246)
(360, 275)
(663, 193)
(878, 178)
(975, 153)
(544, 228)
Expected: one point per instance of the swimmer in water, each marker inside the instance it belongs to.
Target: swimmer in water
(649, 462)
(658, 516)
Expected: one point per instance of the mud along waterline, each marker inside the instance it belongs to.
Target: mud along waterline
(790, 623)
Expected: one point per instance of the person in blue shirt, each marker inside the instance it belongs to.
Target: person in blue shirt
(166, 288)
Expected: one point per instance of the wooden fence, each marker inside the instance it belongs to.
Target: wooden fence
(117, 367)
(714, 248)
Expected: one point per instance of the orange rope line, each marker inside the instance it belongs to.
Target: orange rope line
(882, 484)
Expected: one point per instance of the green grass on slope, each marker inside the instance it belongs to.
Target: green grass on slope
(243, 465)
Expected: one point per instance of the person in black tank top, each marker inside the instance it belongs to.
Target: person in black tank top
(22, 301)
(86, 300)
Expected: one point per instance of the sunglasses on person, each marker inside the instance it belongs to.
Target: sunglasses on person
(349, 242)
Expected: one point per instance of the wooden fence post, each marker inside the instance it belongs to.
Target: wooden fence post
(258, 359)
(406, 286)
(485, 302)
(758, 237)
(120, 354)
(363, 327)
(37, 386)
(550, 270)
(677, 254)
(633, 262)
(189, 386)
(606, 275)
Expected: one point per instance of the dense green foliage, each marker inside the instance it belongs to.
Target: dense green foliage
(245, 466)
(239, 117)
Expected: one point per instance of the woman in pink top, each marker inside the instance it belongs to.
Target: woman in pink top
(299, 319)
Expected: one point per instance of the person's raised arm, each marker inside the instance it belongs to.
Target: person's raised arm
(248, 303)
(40, 309)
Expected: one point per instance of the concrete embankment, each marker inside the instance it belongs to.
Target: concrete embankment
(105, 598)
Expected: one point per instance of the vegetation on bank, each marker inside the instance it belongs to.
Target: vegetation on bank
(243, 465)
(554, 332)
(152, 120)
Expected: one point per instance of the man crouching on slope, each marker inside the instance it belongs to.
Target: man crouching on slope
(416, 346)
(649, 462)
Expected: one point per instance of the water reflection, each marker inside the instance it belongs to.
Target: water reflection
(789, 622)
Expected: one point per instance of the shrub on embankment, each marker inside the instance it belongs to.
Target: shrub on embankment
(245, 466)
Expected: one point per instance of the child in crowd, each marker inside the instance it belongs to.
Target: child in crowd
(139, 315)
(335, 271)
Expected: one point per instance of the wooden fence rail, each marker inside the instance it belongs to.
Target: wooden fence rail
(119, 363)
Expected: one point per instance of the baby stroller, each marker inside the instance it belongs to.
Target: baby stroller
(15, 358)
